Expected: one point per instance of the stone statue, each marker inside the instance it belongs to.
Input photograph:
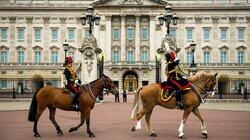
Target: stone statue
(168, 44)
(90, 51)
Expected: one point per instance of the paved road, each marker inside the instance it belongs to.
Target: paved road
(110, 121)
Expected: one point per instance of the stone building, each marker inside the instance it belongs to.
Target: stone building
(32, 33)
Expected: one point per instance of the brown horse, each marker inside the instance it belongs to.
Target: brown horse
(150, 96)
(53, 98)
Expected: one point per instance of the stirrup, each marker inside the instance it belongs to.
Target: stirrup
(75, 107)
(180, 105)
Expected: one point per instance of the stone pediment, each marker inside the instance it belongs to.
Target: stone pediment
(129, 3)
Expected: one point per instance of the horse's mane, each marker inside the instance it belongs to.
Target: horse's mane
(199, 75)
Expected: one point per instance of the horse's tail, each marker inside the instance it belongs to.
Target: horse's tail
(33, 109)
(136, 104)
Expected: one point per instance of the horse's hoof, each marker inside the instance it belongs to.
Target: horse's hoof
(133, 128)
(72, 129)
(204, 135)
(181, 137)
(59, 133)
(153, 134)
(37, 134)
(91, 135)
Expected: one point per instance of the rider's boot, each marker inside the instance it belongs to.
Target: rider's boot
(74, 105)
(179, 101)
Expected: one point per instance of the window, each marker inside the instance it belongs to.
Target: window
(4, 34)
(189, 34)
(54, 57)
(223, 57)
(173, 32)
(241, 34)
(130, 33)
(54, 34)
(20, 57)
(3, 84)
(71, 34)
(144, 56)
(21, 33)
(241, 57)
(4, 57)
(37, 34)
(115, 56)
(130, 56)
(189, 57)
(37, 57)
(223, 35)
(144, 33)
(54, 83)
(206, 34)
(206, 57)
(116, 34)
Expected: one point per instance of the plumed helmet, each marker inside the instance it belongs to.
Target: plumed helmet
(69, 59)
(170, 56)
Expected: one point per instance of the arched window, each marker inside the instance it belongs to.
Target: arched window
(4, 54)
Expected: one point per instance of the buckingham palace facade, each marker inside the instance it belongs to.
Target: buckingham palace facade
(32, 33)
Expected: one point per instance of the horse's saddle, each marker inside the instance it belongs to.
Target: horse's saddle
(168, 90)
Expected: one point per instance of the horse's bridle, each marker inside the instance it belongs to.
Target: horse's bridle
(207, 90)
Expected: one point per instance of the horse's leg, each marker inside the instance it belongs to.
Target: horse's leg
(147, 117)
(88, 124)
(138, 118)
(79, 125)
(52, 111)
(40, 109)
(203, 127)
(187, 111)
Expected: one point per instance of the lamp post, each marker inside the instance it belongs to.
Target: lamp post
(65, 48)
(90, 18)
(168, 18)
(193, 67)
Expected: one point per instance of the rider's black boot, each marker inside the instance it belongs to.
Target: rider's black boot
(74, 105)
(179, 101)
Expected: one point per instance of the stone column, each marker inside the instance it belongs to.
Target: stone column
(79, 32)
(137, 38)
(232, 40)
(63, 32)
(108, 37)
(152, 38)
(12, 40)
(247, 36)
(198, 38)
(29, 38)
(215, 40)
(123, 38)
(45, 38)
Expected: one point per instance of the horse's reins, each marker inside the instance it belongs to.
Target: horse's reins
(92, 94)
(205, 91)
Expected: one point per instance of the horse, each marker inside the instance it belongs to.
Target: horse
(52, 98)
(151, 95)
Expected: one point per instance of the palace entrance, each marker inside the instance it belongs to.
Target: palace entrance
(130, 81)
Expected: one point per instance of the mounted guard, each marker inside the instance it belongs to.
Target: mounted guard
(72, 80)
(176, 81)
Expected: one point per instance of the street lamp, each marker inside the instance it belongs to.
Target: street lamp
(168, 18)
(65, 48)
(90, 18)
(193, 67)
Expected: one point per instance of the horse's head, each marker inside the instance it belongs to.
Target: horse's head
(209, 86)
(205, 82)
(110, 85)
